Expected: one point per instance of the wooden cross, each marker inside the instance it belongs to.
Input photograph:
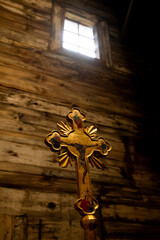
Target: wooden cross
(79, 144)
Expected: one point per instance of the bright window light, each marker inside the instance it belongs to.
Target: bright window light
(79, 38)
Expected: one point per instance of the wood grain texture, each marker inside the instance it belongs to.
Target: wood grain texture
(39, 83)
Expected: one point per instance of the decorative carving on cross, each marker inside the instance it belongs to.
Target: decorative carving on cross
(79, 144)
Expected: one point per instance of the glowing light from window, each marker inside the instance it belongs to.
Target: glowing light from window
(79, 38)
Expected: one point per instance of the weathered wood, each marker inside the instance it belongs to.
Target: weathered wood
(116, 121)
(56, 26)
(117, 230)
(104, 43)
(47, 228)
(6, 227)
(39, 83)
(29, 10)
(59, 66)
(21, 39)
(42, 5)
(53, 211)
(51, 180)
(132, 214)
(19, 202)
(22, 25)
(23, 154)
(13, 227)
(93, 8)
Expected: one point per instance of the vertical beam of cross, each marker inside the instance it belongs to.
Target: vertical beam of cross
(77, 142)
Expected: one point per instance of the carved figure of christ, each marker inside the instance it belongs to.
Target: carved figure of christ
(81, 143)
(82, 147)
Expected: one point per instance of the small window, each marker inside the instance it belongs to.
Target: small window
(79, 38)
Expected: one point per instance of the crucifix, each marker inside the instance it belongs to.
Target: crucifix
(79, 144)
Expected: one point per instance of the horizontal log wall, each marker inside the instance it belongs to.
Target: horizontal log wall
(39, 84)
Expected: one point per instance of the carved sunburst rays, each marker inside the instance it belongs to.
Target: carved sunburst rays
(65, 158)
(95, 162)
(91, 131)
(64, 128)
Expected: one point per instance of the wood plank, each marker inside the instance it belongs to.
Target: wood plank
(105, 84)
(22, 27)
(114, 32)
(123, 230)
(37, 156)
(116, 121)
(127, 198)
(42, 5)
(57, 22)
(96, 70)
(132, 214)
(6, 227)
(24, 133)
(52, 180)
(35, 111)
(38, 204)
(49, 229)
(21, 39)
(26, 10)
(13, 227)
(16, 18)
(49, 175)
(49, 181)
(53, 210)
(104, 43)
(113, 83)
(39, 83)
(92, 8)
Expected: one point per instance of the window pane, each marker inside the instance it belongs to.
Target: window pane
(87, 53)
(70, 38)
(79, 38)
(86, 43)
(70, 47)
(86, 31)
(71, 26)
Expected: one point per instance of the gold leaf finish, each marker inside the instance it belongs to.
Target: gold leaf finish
(91, 131)
(95, 162)
(64, 129)
(79, 144)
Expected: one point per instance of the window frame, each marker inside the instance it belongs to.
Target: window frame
(96, 51)
(100, 28)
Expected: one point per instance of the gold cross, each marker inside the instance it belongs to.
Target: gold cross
(79, 144)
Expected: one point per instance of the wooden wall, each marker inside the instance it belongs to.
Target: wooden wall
(38, 87)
